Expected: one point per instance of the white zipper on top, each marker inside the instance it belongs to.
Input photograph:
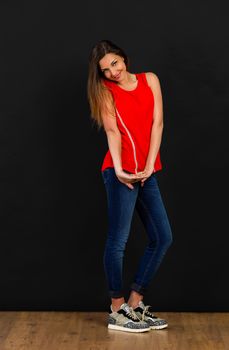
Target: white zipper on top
(132, 142)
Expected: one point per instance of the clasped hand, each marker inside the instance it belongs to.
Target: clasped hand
(128, 179)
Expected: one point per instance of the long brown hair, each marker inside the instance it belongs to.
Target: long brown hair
(97, 92)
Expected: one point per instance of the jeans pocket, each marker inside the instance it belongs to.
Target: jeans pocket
(105, 175)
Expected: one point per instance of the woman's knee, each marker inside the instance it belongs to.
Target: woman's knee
(116, 244)
(167, 240)
(163, 242)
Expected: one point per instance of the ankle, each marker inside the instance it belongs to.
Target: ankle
(134, 299)
(116, 303)
(133, 304)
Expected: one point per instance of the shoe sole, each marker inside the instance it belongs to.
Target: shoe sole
(134, 330)
(159, 327)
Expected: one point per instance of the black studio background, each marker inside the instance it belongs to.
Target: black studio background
(53, 203)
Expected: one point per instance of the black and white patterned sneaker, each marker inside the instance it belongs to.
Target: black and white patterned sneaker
(126, 320)
(144, 314)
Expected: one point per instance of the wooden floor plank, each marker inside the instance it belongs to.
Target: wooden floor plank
(22, 330)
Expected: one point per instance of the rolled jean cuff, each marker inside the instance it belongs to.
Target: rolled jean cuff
(141, 290)
(116, 294)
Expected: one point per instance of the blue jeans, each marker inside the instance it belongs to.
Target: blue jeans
(121, 202)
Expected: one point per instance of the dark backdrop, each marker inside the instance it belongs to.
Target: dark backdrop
(53, 201)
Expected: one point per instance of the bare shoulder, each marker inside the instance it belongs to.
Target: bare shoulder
(152, 80)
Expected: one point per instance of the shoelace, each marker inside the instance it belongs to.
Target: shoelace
(146, 312)
(132, 314)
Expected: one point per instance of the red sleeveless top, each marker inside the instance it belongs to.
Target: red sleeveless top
(134, 114)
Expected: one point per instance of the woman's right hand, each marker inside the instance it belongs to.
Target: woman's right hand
(127, 178)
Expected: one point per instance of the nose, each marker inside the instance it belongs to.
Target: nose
(113, 72)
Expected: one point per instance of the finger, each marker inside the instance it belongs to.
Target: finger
(129, 185)
(137, 175)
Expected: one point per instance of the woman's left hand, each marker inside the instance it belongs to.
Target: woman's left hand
(147, 173)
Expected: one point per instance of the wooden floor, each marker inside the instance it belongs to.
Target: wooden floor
(88, 331)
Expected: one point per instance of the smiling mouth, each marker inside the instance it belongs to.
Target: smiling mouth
(117, 76)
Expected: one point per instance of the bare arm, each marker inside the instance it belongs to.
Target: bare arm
(114, 142)
(113, 136)
(115, 146)
(157, 127)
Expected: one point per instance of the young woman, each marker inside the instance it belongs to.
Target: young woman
(129, 108)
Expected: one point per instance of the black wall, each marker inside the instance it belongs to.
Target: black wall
(53, 202)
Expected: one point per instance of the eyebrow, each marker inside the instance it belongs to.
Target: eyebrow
(111, 63)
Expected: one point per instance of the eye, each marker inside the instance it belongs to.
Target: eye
(113, 63)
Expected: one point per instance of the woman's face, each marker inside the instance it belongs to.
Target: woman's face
(113, 66)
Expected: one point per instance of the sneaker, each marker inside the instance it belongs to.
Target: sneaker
(144, 314)
(126, 320)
